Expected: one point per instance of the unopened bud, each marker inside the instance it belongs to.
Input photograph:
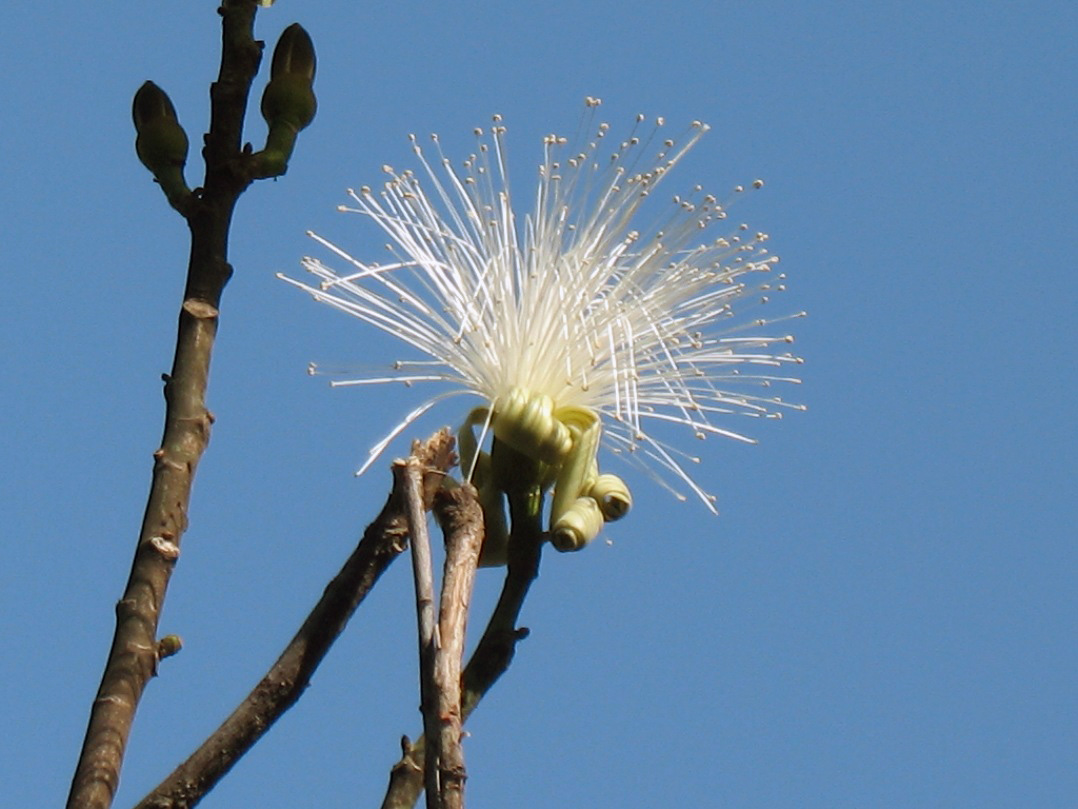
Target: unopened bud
(289, 96)
(161, 143)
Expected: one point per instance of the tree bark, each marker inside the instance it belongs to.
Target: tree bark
(461, 518)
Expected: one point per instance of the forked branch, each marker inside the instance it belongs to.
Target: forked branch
(494, 652)
(230, 168)
(285, 682)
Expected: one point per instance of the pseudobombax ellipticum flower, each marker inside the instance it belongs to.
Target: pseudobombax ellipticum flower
(573, 323)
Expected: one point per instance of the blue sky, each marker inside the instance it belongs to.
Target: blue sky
(883, 614)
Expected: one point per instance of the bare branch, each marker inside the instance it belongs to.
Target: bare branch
(132, 658)
(407, 477)
(285, 682)
(461, 518)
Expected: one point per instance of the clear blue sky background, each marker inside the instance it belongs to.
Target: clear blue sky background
(884, 614)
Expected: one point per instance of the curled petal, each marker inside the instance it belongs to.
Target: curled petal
(578, 526)
(579, 467)
(612, 495)
(526, 422)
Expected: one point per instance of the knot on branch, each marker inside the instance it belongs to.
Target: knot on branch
(200, 309)
(166, 547)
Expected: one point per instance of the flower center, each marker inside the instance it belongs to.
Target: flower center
(565, 440)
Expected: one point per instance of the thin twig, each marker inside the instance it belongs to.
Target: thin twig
(407, 475)
(285, 682)
(132, 658)
(461, 518)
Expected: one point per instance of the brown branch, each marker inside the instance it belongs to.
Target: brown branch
(461, 519)
(406, 476)
(285, 682)
(494, 652)
(132, 657)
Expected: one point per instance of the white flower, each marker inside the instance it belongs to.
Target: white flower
(574, 307)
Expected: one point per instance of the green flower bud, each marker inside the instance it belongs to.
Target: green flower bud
(161, 143)
(294, 54)
(289, 97)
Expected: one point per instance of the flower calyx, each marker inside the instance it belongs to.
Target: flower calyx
(564, 443)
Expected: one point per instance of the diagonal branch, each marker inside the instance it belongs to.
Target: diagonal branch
(285, 682)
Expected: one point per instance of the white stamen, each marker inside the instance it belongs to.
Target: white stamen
(578, 301)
